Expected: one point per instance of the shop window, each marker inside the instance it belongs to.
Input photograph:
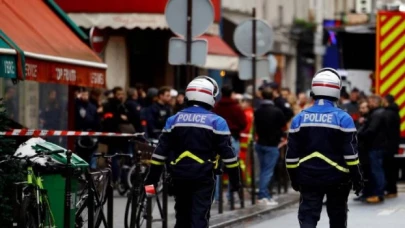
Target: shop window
(37, 105)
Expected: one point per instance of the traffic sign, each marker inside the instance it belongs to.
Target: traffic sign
(177, 50)
(245, 68)
(242, 37)
(98, 40)
(201, 19)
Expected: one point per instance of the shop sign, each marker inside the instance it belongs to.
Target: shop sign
(8, 66)
(62, 73)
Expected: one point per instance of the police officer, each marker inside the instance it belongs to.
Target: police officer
(191, 144)
(322, 154)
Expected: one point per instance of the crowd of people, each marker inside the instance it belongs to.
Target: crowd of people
(378, 124)
(137, 110)
(116, 110)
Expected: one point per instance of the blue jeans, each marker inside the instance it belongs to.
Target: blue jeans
(236, 147)
(377, 172)
(268, 157)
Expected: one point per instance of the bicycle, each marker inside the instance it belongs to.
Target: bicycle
(96, 190)
(136, 209)
(31, 197)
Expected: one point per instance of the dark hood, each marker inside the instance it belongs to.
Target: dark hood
(393, 107)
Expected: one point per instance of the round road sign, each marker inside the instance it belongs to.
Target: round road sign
(243, 37)
(202, 16)
(97, 40)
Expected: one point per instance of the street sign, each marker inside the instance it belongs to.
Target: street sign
(245, 68)
(177, 50)
(98, 40)
(242, 37)
(202, 16)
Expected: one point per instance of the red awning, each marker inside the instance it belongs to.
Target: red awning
(220, 55)
(53, 52)
(127, 14)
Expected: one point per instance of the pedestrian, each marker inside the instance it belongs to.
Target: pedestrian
(393, 139)
(246, 138)
(351, 105)
(134, 109)
(86, 119)
(158, 113)
(189, 145)
(363, 151)
(116, 120)
(322, 156)
(269, 122)
(231, 111)
(376, 135)
(280, 102)
(180, 102)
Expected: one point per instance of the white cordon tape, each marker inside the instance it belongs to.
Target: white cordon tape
(38, 133)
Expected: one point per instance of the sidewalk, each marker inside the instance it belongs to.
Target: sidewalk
(225, 219)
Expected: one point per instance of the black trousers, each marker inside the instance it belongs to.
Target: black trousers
(311, 205)
(193, 201)
(391, 173)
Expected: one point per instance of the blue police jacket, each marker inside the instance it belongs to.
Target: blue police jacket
(322, 146)
(191, 144)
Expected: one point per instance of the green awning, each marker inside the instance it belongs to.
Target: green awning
(12, 60)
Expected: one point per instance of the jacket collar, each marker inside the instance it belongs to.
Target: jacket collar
(324, 102)
(267, 102)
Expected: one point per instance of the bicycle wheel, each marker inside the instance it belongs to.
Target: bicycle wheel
(29, 215)
(100, 180)
(131, 173)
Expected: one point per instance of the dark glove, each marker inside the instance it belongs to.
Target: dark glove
(358, 187)
(295, 186)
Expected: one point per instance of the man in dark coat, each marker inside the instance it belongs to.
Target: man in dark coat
(393, 138)
(376, 136)
(134, 109)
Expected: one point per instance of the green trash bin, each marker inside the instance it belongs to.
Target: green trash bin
(55, 183)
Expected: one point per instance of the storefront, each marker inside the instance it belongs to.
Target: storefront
(138, 38)
(47, 56)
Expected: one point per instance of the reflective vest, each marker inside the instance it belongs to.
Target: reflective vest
(245, 139)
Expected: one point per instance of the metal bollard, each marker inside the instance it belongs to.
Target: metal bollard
(253, 178)
(68, 194)
(149, 217)
(165, 200)
(110, 204)
(221, 197)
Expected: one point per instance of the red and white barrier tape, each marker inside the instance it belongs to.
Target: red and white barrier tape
(38, 133)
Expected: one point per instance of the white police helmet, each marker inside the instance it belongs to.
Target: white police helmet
(202, 89)
(327, 82)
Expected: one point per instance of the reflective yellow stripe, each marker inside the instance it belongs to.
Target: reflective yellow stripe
(242, 165)
(293, 166)
(217, 161)
(154, 162)
(244, 145)
(353, 162)
(187, 154)
(321, 156)
(234, 165)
